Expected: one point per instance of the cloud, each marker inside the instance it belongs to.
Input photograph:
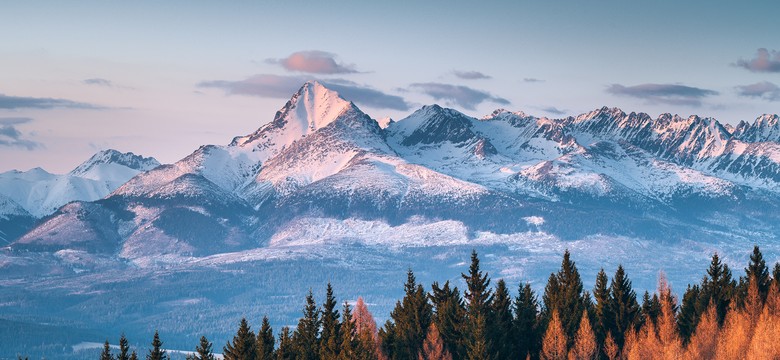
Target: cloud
(98, 82)
(22, 102)
(282, 87)
(10, 136)
(313, 62)
(763, 90)
(553, 110)
(532, 80)
(765, 61)
(463, 96)
(673, 94)
(471, 75)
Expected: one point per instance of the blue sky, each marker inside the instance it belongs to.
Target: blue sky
(160, 79)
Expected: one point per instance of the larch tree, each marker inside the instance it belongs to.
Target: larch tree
(368, 346)
(668, 336)
(306, 335)
(763, 345)
(554, 341)
(610, 348)
(704, 340)
(585, 346)
(734, 335)
(265, 341)
(204, 350)
(433, 347)
(157, 352)
(242, 347)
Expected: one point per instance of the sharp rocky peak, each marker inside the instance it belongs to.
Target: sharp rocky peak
(111, 156)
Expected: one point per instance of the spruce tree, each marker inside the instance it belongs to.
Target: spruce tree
(242, 347)
(564, 293)
(776, 275)
(688, 318)
(157, 352)
(717, 287)
(503, 328)
(527, 337)
(478, 298)
(306, 342)
(133, 355)
(757, 267)
(623, 306)
(330, 340)
(124, 348)
(603, 318)
(285, 350)
(449, 317)
(403, 337)
(106, 354)
(204, 350)
(348, 346)
(265, 341)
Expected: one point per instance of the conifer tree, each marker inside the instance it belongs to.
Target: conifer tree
(133, 355)
(124, 348)
(611, 350)
(330, 340)
(651, 308)
(106, 354)
(478, 297)
(554, 341)
(671, 346)
(365, 332)
(433, 347)
(242, 347)
(403, 338)
(285, 350)
(449, 317)
(585, 346)
(349, 344)
(503, 328)
(157, 352)
(717, 287)
(704, 340)
(265, 341)
(689, 315)
(757, 267)
(204, 350)
(527, 337)
(623, 307)
(306, 336)
(603, 318)
(564, 294)
(776, 275)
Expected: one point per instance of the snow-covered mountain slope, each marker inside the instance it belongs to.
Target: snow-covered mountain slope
(41, 193)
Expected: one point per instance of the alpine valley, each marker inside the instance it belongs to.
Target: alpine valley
(324, 192)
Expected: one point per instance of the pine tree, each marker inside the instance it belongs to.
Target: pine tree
(306, 336)
(330, 340)
(603, 318)
(124, 348)
(204, 350)
(403, 338)
(242, 347)
(717, 287)
(526, 322)
(365, 332)
(757, 267)
(554, 342)
(285, 350)
(449, 317)
(265, 341)
(433, 347)
(623, 307)
(585, 346)
(106, 354)
(565, 294)
(349, 344)
(157, 352)
(503, 328)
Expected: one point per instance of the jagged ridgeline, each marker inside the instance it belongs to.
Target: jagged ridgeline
(725, 316)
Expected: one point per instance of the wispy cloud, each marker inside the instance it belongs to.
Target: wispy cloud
(763, 90)
(674, 94)
(10, 136)
(277, 86)
(471, 75)
(532, 80)
(554, 110)
(313, 62)
(23, 102)
(98, 82)
(463, 96)
(764, 61)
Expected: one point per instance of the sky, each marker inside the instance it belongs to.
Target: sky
(162, 78)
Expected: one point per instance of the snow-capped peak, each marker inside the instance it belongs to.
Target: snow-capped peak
(385, 122)
(111, 156)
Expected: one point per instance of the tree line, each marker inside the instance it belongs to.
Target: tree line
(721, 317)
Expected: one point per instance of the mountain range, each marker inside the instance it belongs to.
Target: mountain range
(324, 175)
